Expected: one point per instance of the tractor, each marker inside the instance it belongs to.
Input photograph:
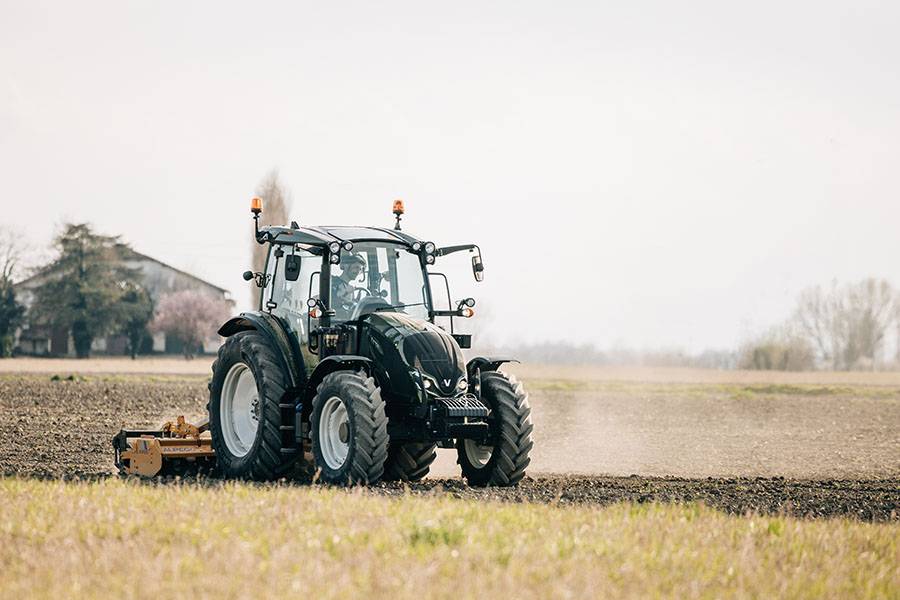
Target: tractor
(345, 372)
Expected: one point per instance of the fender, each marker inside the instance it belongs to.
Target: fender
(276, 331)
(487, 363)
(330, 364)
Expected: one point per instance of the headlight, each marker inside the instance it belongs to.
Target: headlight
(416, 246)
(429, 258)
(427, 384)
(335, 259)
(334, 247)
(348, 246)
(429, 248)
(462, 385)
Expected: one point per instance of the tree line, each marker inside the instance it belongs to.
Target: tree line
(840, 327)
(89, 292)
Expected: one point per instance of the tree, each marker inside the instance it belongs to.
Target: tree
(85, 285)
(11, 316)
(137, 311)
(191, 316)
(276, 206)
(11, 312)
(848, 324)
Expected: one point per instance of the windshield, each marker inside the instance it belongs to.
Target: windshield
(378, 277)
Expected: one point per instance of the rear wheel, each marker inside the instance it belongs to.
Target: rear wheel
(408, 462)
(502, 459)
(245, 417)
(349, 429)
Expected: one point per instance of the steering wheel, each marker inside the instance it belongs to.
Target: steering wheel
(358, 293)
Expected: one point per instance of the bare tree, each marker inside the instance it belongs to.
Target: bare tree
(276, 207)
(11, 311)
(897, 330)
(10, 256)
(848, 324)
(872, 311)
(816, 316)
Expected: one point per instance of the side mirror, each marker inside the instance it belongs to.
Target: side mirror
(292, 267)
(478, 268)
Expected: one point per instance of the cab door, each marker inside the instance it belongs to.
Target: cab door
(291, 271)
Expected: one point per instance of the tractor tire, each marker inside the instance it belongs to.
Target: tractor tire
(408, 462)
(348, 428)
(245, 418)
(503, 460)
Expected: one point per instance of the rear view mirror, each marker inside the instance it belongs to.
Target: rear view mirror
(478, 268)
(292, 267)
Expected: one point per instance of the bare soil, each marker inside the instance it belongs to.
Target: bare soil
(809, 450)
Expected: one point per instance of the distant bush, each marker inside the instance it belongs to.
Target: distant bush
(781, 349)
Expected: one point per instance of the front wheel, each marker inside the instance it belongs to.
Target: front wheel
(245, 418)
(349, 429)
(502, 459)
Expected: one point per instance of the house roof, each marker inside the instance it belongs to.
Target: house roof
(127, 253)
(131, 254)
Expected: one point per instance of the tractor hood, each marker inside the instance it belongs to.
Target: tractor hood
(424, 347)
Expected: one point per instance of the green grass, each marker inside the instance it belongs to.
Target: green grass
(127, 539)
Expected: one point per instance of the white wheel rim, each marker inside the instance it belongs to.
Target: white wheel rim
(334, 433)
(478, 454)
(239, 410)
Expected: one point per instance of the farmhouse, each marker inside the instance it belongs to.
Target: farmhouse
(156, 276)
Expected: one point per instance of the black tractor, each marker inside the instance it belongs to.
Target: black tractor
(344, 371)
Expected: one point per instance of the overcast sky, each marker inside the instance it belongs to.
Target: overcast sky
(642, 173)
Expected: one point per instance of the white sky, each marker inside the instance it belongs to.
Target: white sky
(654, 174)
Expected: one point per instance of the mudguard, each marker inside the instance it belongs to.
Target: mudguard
(274, 329)
(330, 364)
(487, 363)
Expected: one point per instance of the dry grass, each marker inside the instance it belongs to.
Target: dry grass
(125, 540)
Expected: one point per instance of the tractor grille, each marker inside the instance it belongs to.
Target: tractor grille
(464, 406)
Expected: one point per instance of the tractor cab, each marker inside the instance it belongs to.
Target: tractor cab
(326, 283)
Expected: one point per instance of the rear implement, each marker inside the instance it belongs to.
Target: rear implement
(175, 449)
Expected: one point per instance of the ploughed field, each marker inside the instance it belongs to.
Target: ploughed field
(739, 443)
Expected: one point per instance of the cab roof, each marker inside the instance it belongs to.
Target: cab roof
(322, 235)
